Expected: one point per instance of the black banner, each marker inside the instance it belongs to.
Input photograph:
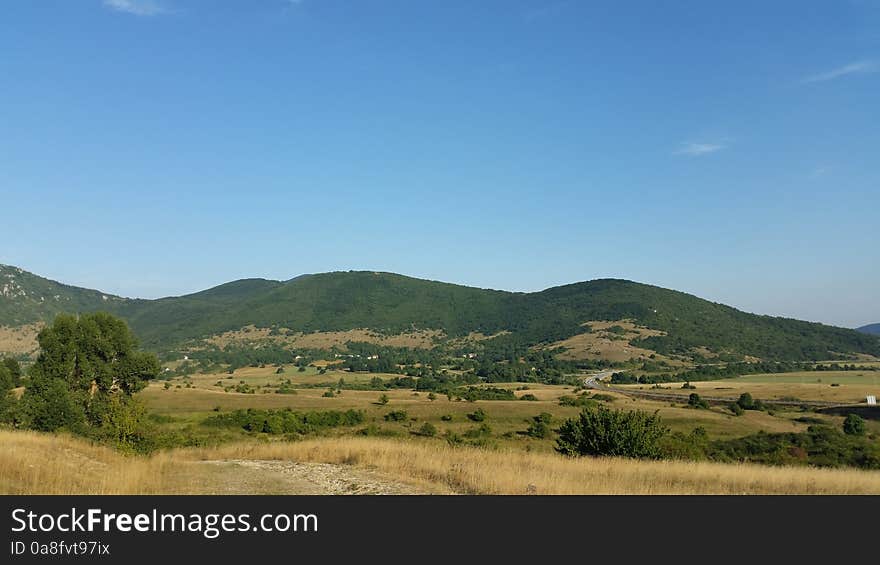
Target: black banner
(461, 529)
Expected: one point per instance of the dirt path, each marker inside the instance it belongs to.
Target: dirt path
(245, 476)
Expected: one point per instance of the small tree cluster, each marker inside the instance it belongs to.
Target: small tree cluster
(601, 431)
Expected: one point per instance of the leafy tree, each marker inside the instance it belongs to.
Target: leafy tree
(600, 431)
(746, 402)
(6, 380)
(49, 405)
(854, 425)
(13, 369)
(85, 365)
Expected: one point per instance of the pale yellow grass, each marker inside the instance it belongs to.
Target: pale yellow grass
(475, 471)
(32, 463)
(418, 339)
(602, 344)
(20, 340)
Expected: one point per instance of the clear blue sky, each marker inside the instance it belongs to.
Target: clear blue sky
(727, 149)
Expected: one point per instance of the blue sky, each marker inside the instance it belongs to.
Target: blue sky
(727, 149)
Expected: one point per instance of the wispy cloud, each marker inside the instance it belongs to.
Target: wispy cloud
(136, 7)
(859, 67)
(819, 171)
(698, 149)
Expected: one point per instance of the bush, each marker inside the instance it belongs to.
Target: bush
(746, 402)
(736, 409)
(854, 425)
(539, 426)
(580, 400)
(383, 400)
(446, 417)
(600, 431)
(530, 397)
(395, 416)
(477, 416)
(694, 401)
(285, 421)
(427, 430)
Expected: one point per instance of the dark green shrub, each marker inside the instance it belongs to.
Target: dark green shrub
(854, 425)
(395, 416)
(600, 431)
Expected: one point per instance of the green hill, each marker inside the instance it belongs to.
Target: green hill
(390, 304)
(27, 298)
(873, 329)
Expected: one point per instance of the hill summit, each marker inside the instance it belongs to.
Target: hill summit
(647, 318)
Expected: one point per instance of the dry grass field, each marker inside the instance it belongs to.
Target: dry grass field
(19, 340)
(601, 343)
(251, 335)
(32, 463)
(507, 419)
(849, 386)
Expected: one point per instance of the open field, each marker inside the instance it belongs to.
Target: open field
(851, 386)
(30, 464)
(507, 419)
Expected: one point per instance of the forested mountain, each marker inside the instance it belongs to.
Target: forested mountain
(873, 329)
(389, 304)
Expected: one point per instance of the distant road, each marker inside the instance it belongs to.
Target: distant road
(594, 381)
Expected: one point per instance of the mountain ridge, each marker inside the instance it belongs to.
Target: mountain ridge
(390, 303)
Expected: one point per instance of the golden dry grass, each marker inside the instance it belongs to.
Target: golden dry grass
(852, 386)
(32, 463)
(20, 340)
(250, 335)
(602, 344)
(475, 471)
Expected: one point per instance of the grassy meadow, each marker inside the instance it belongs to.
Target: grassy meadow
(497, 455)
(832, 386)
(507, 419)
(30, 464)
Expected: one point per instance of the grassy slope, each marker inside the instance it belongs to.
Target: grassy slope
(30, 464)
